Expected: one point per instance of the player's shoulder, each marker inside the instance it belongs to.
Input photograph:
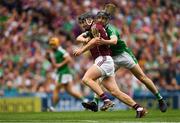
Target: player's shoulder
(110, 26)
(97, 25)
(62, 50)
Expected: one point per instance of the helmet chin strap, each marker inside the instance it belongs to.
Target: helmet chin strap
(106, 22)
(89, 23)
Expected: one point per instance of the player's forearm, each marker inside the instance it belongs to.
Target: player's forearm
(88, 46)
(66, 61)
(52, 60)
(81, 39)
(58, 65)
(112, 41)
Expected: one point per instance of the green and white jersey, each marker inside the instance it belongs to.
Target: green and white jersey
(59, 55)
(120, 47)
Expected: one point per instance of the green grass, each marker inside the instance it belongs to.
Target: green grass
(89, 117)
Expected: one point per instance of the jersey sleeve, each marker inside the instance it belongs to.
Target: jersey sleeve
(64, 52)
(111, 32)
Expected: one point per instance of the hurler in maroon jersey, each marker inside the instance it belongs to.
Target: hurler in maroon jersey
(103, 65)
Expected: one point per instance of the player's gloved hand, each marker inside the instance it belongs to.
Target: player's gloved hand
(77, 52)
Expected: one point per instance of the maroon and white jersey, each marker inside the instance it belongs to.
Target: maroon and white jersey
(101, 50)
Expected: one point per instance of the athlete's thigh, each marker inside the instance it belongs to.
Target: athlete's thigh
(93, 72)
(137, 71)
(68, 85)
(105, 64)
(125, 59)
(66, 78)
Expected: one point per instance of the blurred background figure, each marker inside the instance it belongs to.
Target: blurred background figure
(151, 28)
(10, 90)
(60, 60)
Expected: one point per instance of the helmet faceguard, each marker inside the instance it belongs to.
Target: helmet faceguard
(85, 20)
(102, 17)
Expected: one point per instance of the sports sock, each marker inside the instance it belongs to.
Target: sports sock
(96, 99)
(104, 97)
(54, 104)
(137, 107)
(158, 96)
(83, 99)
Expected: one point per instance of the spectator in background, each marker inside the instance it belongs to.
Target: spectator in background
(10, 90)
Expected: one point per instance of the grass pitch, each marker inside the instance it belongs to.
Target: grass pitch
(89, 117)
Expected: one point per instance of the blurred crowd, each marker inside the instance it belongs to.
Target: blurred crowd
(150, 27)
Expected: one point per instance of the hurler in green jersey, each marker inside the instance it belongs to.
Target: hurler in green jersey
(60, 59)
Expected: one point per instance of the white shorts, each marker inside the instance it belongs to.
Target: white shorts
(105, 64)
(124, 60)
(64, 78)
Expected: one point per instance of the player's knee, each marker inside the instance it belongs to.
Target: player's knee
(85, 80)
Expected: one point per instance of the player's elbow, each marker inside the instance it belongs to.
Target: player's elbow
(67, 59)
(78, 39)
(114, 42)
